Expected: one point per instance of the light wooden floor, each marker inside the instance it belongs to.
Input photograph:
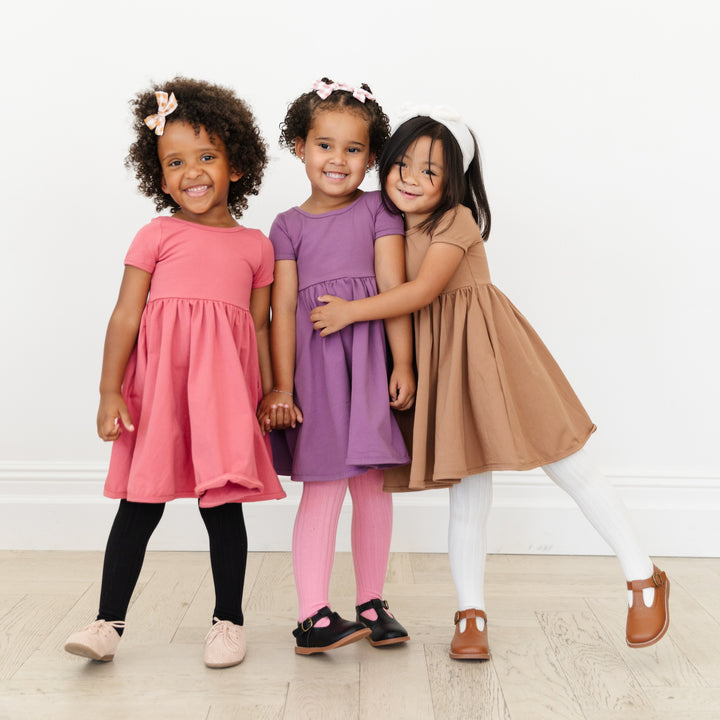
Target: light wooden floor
(556, 635)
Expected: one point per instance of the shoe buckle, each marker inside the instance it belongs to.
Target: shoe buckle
(309, 621)
(385, 604)
(657, 578)
(457, 617)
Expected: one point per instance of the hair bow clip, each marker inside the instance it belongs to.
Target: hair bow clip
(166, 105)
(324, 90)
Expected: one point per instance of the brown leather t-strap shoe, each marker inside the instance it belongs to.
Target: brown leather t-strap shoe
(472, 644)
(646, 625)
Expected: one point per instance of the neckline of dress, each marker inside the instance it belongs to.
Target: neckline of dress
(214, 228)
(337, 211)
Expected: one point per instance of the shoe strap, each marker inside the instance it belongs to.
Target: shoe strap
(307, 624)
(656, 580)
(373, 604)
(470, 613)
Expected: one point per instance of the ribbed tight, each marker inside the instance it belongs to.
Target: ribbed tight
(315, 532)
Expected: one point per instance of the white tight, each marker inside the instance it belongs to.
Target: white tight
(599, 501)
(470, 502)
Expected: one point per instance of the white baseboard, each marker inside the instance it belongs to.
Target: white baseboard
(59, 506)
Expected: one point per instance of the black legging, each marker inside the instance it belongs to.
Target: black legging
(130, 533)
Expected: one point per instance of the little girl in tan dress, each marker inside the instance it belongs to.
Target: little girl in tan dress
(489, 394)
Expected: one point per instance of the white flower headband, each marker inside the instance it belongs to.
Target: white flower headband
(324, 89)
(166, 105)
(450, 119)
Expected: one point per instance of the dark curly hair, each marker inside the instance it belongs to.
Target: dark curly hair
(223, 115)
(300, 114)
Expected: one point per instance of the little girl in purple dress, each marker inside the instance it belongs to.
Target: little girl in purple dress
(331, 407)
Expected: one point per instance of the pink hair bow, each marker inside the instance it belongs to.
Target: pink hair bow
(166, 105)
(324, 89)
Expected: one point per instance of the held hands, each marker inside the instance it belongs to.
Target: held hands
(331, 317)
(277, 411)
(113, 417)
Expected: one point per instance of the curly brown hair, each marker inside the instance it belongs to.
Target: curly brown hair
(300, 114)
(223, 115)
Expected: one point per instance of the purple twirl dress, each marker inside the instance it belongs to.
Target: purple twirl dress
(341, 381)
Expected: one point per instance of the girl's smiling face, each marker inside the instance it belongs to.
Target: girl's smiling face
(196, 174)
(415, 181)
(336, 153)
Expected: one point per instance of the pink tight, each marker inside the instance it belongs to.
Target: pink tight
(314, 539)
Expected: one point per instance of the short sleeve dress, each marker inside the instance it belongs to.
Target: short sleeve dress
(192, 383)
(490, 396)
(341, 381)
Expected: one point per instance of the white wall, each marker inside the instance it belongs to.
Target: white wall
(599, 126)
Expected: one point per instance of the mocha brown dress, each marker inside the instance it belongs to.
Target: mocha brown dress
(490, 396)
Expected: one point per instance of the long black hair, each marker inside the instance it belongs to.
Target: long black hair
(459, 187)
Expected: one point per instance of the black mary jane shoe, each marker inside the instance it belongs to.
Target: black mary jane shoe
(311, 639)
(386, 630)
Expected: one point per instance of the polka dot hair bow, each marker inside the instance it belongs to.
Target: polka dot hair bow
(166, 105)
(324, 89)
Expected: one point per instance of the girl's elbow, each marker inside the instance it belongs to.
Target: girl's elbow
(420, 296)
(125, 323)
(284, 310)
(389, 284)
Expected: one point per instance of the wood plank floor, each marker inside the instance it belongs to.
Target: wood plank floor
(556, 635)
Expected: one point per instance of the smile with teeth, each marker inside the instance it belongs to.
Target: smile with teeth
(196, 190)
(335, 175)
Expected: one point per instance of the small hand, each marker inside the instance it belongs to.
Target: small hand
(332, 316)
(112, 417)
(263, 418)
(402, 388)
(278, 411)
